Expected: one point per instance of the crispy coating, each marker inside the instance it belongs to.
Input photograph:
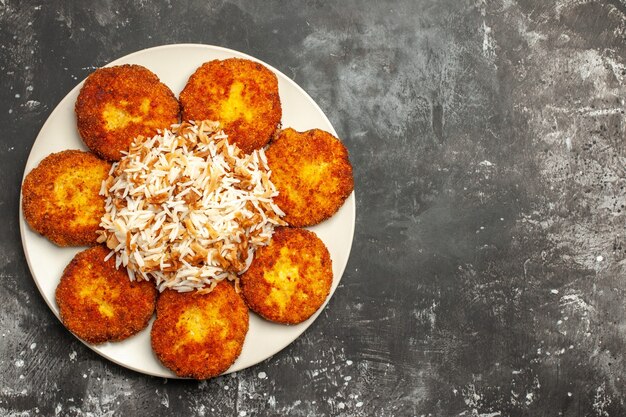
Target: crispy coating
(117, 104)
(99, 303)
(61, 200)
(290, 278)
(199, 335)
(241, 94)
(312, 173)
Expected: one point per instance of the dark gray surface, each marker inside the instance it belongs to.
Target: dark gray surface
(487, 274)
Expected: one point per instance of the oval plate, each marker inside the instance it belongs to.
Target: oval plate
(173, 64)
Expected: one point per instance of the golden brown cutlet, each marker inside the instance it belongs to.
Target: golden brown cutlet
(290, 278)
(312, 174)
(117, 104)
(241, 94)
(99, 303)
(61, 197)
(199, 335)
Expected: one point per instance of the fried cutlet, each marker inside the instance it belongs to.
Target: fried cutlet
(241, 94)
(290, 278)
(117, 104)
(199, 335)
(312, 174)
(99, 303)
(61, 197)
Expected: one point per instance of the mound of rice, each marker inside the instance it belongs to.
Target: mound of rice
(187, 209)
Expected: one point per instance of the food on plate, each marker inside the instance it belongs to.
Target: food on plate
(193, 210)
(187, 209)
(117, 104)
(312, 173)
(60, 197)
(241, 94)
(98, 302)
(199, 335)
(290, 278)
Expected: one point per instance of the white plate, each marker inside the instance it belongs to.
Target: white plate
(174, 64)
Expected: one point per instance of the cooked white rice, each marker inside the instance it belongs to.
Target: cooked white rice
(187, 209)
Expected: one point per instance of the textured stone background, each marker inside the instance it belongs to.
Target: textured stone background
(487, 274)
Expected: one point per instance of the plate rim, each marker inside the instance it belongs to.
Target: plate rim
(351, 200)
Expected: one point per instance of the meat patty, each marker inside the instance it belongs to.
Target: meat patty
(312, 174)
(199, 335)
(240, 94)
(117, 104)
(99, 303)
(290, 278)
(61, 197)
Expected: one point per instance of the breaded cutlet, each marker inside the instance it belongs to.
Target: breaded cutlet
(199, 335)
(290, 278)
(98, 302)
(60, 197)
(312, 174)
(240, 94)
(117, 104)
